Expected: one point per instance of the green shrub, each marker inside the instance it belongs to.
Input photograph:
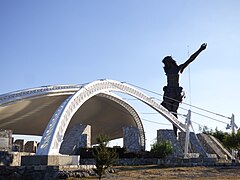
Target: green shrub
(232, 140)
(161, 149)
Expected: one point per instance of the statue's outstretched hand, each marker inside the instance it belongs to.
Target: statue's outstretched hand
(203, 46)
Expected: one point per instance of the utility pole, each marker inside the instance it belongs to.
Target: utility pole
(188, 122)
(233, 126)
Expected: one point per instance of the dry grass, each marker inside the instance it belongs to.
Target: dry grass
(154, 172)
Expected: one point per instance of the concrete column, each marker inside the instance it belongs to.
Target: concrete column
(78, 136)
(131, 139)
(169, 135)
(194, 144)
(5, 140)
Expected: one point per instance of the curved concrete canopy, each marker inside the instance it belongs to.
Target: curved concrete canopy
(27, 110)
(29, 115)
(105, 112)
(53, 135)
(109, 117)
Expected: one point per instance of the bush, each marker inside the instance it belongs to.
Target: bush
(161, 149)
(232, 140)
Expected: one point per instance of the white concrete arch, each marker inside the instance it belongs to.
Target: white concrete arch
(56, 128)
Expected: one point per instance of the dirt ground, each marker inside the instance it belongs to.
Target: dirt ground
(154, 172)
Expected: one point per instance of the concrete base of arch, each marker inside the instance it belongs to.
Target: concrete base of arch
(79, 136)
(50, 160)
(131, 139)
(169, 135)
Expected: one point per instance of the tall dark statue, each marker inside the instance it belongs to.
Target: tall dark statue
(173, 93)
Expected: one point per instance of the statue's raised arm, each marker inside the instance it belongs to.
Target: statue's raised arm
(192, 57)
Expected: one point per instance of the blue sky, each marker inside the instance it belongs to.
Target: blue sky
(78, 41)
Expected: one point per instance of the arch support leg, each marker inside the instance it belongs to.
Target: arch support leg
(131, 139)
(79, 136)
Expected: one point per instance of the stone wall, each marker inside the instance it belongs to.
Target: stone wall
(131, 139)
(194, 144)
(169, 135)
(170, 162)
(46, 172)
(182, 162)
(12, 158)
(124, 161)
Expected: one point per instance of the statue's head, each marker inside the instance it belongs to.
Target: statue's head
(168, 60)
(169, 63)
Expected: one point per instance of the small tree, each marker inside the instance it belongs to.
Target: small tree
(162, 149)
(205, 130)
(233, 141)
(104, 156)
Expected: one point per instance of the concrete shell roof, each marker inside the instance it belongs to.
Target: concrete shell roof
(51, 111)
(30, 116)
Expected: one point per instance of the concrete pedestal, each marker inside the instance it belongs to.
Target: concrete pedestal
(131, 139)
(169, 135)
(51, 160)
(77, 137)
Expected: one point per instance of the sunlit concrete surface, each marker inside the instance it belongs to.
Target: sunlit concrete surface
(30, 116)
